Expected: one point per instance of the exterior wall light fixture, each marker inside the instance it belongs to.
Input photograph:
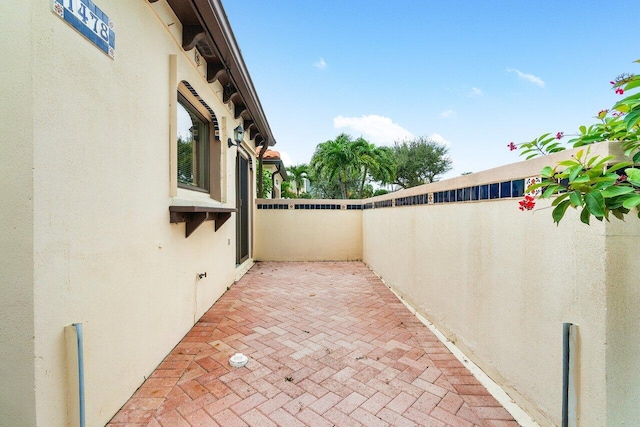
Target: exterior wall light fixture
(238, 135)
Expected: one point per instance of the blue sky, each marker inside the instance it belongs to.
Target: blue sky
(475, 75)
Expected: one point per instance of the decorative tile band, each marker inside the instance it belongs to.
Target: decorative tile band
(310, 206)
(214, 119)
(496, 190)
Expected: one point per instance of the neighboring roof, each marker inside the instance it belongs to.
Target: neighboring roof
(272, 154)
(272, 157)
(205, 26)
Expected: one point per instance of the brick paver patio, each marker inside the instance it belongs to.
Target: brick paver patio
(328, 345)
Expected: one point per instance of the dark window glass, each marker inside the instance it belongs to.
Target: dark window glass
(193, 147)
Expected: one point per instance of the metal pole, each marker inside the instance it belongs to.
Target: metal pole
(566, 335)
(78, 327)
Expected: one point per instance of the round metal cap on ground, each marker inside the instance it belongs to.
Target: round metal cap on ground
(238, 360)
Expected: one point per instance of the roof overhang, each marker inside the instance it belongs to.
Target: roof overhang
(280, 167)
(205, 26)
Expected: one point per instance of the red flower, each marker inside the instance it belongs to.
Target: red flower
(512, 146)
(620, 179)
(619, 91)
(527, 203)
(559, 135)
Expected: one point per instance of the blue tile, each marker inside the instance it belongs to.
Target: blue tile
(517, 188)
(484, 192)
(494, 191)
(505, 189)
(475, 193)
(466, 194)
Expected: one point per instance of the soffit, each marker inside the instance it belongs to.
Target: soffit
(205, 26)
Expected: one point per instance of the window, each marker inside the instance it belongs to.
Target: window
(193, 147)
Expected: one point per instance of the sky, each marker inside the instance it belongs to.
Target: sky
(474, 75)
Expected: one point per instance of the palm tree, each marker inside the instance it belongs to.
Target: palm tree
(375, 162)
(353, 162)
(298, 174)
(336, 158)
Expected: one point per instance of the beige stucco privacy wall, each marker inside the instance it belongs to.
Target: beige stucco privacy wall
(86, 186)
(500, 282)
(289, 234)
(17, 391)
(497, 281)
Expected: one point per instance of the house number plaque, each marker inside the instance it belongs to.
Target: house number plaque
(89, 21)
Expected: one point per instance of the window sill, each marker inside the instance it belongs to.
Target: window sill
(193, 216)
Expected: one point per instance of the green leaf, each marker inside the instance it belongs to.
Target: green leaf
(632, 84)
(576, 198)
(603, 161)
(534, 187)
(632, 201)
(617, 191)
(559, 211)
(619, 166)
(595, 203)
(568, 163)
(633, 175)
(585, 215)
(618, 214)
(546, 172)
(583, 129)
(574, 172)
(632, 119)
(581, 179)
(551, 190)
(559, 199)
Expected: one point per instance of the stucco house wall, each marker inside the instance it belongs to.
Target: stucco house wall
(87, 181)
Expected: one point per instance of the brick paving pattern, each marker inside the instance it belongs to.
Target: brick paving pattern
(328, 345)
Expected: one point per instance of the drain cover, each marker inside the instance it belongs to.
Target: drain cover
(238, 360)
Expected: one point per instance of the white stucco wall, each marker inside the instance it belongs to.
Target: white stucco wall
(500, 282)
(17, 379)
(308, 235)
(623, 322)
(88, 197)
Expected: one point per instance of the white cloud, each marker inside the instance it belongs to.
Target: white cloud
(475, 92)
(321, 64)
(376, 129)
(528, 77)
(439, 138)
(286, 158)
(448, 113)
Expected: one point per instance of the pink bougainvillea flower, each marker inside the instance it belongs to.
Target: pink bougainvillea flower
(512, 146)
(618, 114)
(528, 203)
(620, 91)
(559, 135)
(612, 82)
